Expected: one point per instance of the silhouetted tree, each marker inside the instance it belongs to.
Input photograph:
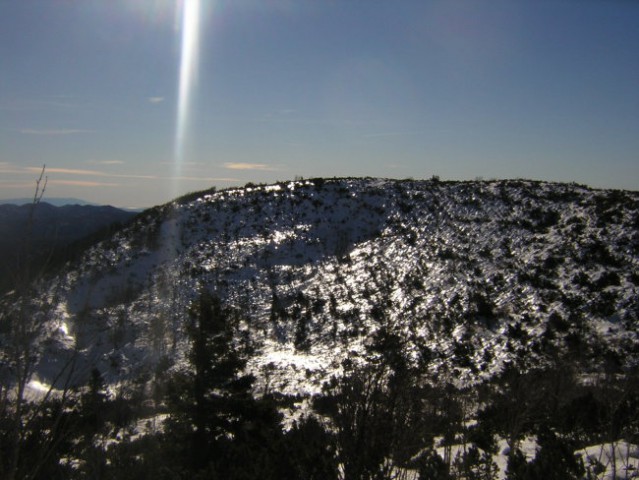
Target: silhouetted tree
(310, 450)
(378, 418)
(31, 429)
(224, 430)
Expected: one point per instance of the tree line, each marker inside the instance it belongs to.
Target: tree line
(386, 419)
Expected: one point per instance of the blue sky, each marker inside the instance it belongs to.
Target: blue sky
(283, 88)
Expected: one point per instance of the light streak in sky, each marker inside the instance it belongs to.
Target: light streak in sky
(190, 32)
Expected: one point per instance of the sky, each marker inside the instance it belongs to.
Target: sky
(134, 102)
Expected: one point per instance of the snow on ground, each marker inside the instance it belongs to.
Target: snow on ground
(606, 461)
(610, 461)
(283, 368)
(528, 447)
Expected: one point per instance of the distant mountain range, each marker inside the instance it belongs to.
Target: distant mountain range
(59, 202)
(56, 202)
(43, 233)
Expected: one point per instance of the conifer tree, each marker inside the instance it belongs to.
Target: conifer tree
(226, 430)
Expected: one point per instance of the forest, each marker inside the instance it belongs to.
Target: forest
(382, 420)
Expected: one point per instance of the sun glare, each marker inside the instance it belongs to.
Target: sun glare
(190, 32)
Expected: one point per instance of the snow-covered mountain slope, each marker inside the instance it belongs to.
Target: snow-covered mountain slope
(462, 276)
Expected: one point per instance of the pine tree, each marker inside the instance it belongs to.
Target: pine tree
(224, 431)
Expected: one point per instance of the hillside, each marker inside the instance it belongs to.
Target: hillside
(460, 283)
(470, 275)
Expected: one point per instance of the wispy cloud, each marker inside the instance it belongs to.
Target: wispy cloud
(53, 132)
(70, 171)
(204, 179)
(155, 99)
(104, 162)
(9, 168)
(94, 173)
(100, 174)
(248, 166)
(11, 184)
(82, 183)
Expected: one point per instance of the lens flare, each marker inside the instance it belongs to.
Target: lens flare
(190, 32)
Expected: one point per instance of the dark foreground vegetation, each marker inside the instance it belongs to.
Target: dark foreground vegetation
(382, 420)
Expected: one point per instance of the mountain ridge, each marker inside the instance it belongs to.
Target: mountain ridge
(471, 276)
(55, 201)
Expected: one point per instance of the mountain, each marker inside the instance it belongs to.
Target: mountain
(50, 233)
(470, 275)
(55, 201)
(404, 329)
